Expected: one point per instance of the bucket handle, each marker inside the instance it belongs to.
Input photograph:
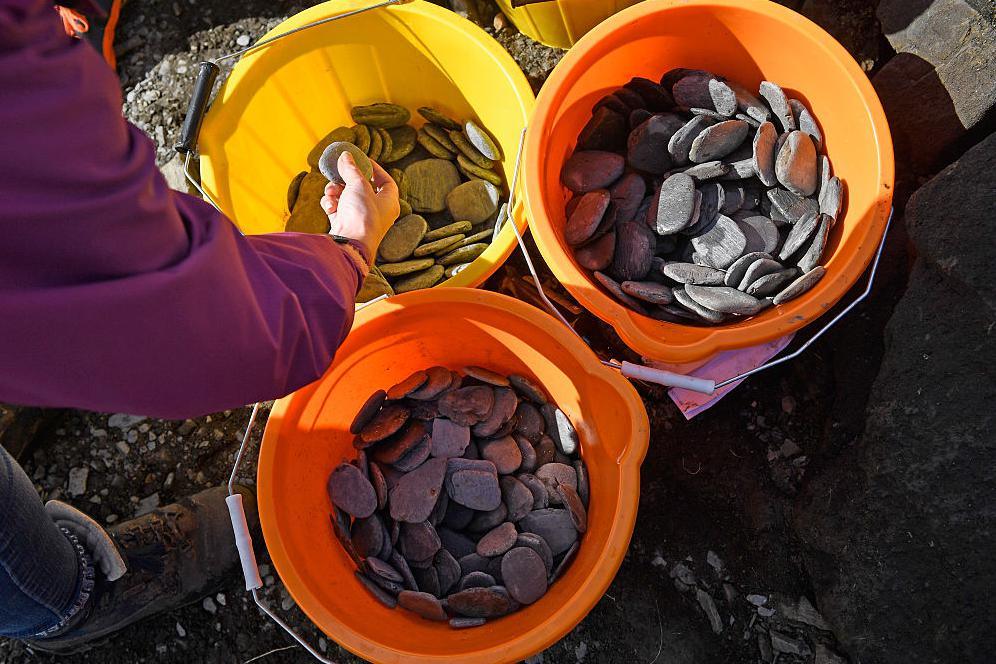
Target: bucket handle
(662, 376)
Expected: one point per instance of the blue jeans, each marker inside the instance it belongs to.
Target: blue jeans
(43, 570)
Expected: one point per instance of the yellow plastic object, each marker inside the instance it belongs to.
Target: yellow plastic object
(307, 436)
(283, 98)
(561, 23)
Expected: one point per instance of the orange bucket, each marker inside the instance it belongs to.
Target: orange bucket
(747, 42)
(307, 436)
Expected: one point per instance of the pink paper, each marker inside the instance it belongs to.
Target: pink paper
(721, 367)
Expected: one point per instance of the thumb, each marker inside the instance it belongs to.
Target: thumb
(349, 171)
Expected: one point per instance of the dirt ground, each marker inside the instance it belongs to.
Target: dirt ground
(716, 492)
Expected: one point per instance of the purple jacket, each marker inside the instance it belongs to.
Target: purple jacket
(119, 294)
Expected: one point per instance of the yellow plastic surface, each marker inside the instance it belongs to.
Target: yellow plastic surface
(282, 99)
(307, 436)
(561, 23)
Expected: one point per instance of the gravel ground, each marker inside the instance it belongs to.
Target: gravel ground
(711, 529)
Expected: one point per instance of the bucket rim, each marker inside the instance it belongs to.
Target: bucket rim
(540, 636)
(694, 345)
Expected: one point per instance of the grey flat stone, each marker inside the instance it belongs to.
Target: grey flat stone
(690, 273)
(800, 285)
(721, 244)
(791, 207)
(704, 313)
(761, 233)
(753, 122)
(709, 170)
(617, 292)
(715, 115)
(681, 142)
(740, 170)
(771, 283)
(709, 207)
(758, 269)
(648, 291)
(798, 234)
(805, 121)
(735, 273)
(733, 199)
(724, 100)
(795, 164)
(778, 103)
(824, 170)
(676, 204)
(764, 154)
(831, 196)
(718, 140)
(813, 254)
(748, 103)
(693, 90)
(724, 299)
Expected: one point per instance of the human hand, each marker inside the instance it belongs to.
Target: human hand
(361, 210)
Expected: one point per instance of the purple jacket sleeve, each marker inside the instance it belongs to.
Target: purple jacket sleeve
(118, 294)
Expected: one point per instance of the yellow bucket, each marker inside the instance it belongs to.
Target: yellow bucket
(281, 99)
(561, 23)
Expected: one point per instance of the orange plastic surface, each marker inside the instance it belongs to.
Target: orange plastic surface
(747, 42)
(307, 436)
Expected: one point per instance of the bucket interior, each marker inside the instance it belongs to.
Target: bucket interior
(307, 436)
(282, 99)
(562, 22)
(748, 43)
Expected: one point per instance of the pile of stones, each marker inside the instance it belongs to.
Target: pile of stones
(697, 201)
(467, 498)
(451, 193)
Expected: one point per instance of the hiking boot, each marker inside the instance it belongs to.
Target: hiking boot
(174, 555)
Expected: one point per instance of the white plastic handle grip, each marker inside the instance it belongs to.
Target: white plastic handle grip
(668, 378)
(244, 542)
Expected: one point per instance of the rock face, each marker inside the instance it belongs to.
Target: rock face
(898, 534)
(946, 58)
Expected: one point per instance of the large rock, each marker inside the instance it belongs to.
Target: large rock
(941, 83)
(898, 533)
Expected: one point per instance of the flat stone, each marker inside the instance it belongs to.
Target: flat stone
(724, 99)
(717, 141)
(709, 170)
(627, 194)
(474, 201)
(503, 410)
(487, 376)
(704, 313)
(423, 604)
(735, 273)
(748, 103)
(414, 457)
(693, 90)
(770, 284)
(419, 541)
(503, 453)
(379, 593)
(367, 411)
(408, 385)
(586, 217)
(635, 246)
(426, 578)
(552, 474)
(529, 422)
(328, 163)
(690, 273)
(466, 623)
(831, 197)
(779, 105)
(541, 498)
(613, 287)
(367, 536)
(708, 605)
(448, 570)
(721, 244)
(561, 430)
(805, 121)
(680, 144)
(800, 285)
(480, 602)
(429, 182)
(606, 130)
(791, 206)
(646, 147)
(546, 451)
(764, 154)
(653, 94)
(449, 439)
(524, 574)
(676, 203)
(467, 405)
(756, 270)
(415, 494)
(572, 501)
(517, 497)
(468, 151)
(761, 233)
(724, 299)
(476, 580)
(795, 164)
(473, 563)
(712, 197)
(497, 541)
(554, 526)
(379, 483)
(402, 238)
(597, 256)
(379, 567)
(637, 117)
(529, 457)
(476, 489)
(812, 252)
(481, 140)
(797, 236)
(740, 170)
(351, 491)
(589, 170)
(394, 449)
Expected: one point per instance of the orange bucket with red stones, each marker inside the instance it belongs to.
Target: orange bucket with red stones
(747, 42)
(307, 436)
